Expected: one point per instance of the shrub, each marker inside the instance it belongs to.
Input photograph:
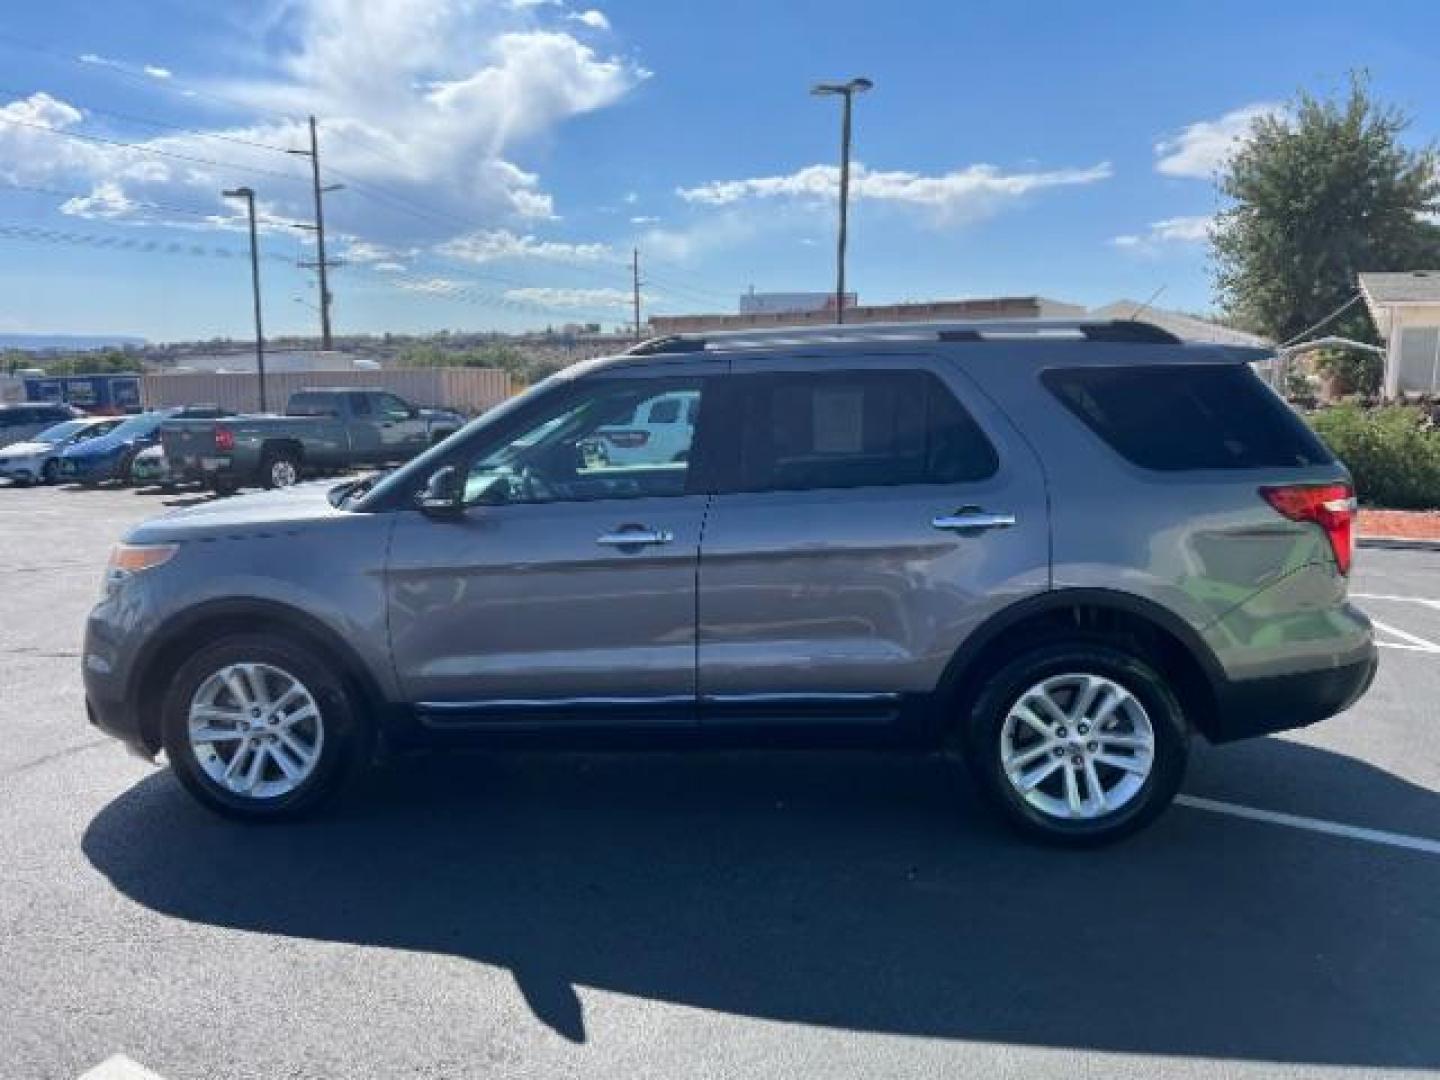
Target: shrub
(1392, 450)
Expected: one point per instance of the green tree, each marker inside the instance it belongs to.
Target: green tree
(104, 362)
(1321, 192)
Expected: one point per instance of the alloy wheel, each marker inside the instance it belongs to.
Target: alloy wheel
(255, 730)
(1077, 746)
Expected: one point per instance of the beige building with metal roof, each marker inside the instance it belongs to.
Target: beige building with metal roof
(1406, 309)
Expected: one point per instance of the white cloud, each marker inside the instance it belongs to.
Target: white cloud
(962, 195)
(155, 71)
(439, 286)
(434, 101)
(571, 298)
(1177, 230)
(494, 245)
(631, 198)
(644, 219)
(709, 234)
(377, 255)
(596, 20)
(42, 109)
(1201, 149)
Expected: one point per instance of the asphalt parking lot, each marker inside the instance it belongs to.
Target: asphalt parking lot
(727, 915)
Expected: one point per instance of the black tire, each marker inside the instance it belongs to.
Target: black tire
(1118, 662)
(343, 750)
(279, 468)
(50, 472)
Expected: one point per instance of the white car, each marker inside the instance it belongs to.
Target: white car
(660, 431)
(37, 460)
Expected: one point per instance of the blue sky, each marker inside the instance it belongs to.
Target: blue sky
(502, 158)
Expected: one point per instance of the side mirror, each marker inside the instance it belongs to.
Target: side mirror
(444, 493)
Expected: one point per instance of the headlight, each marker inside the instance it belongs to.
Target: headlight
(127, 560)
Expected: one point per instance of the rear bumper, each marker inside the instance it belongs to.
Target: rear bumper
(1252, 707)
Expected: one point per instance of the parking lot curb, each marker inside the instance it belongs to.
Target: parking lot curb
(1399, 543)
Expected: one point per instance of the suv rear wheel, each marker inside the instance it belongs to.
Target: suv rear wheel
(260, 728)
(1078, 742)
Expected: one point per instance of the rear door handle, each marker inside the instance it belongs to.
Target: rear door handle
(973, 519)
(633, 536)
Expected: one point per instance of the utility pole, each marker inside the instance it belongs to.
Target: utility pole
(321, 263)
(847, 91)
(248, 194)
(635, 280)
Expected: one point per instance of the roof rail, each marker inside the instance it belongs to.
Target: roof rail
(1115, 331)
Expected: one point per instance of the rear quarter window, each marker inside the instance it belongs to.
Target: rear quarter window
(1173, 417)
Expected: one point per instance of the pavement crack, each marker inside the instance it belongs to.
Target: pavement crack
(58, 755)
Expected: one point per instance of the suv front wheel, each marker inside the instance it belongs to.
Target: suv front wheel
(260, 728)
(1078, 743)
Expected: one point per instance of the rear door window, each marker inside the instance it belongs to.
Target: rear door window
(1173, 417)
(854, 429)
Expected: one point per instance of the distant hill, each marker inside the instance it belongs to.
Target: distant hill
(66, 342)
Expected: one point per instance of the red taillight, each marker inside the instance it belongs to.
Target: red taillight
(1331, 506)
(627, 440)
(224, 439)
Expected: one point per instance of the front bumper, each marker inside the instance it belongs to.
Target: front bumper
(1251, 707)
(23, 470)
(106, 668)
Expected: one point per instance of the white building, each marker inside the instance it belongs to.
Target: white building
(279, 360)
(1406, 309)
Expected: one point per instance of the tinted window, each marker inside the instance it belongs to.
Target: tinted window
(392, 407)
(1192, 416)
(360, 404)
(14, 417)
(855, 429)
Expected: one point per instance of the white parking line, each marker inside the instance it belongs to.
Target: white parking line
(120, 1067)
(1415, 643)
(1309, 824)
(1398, 599)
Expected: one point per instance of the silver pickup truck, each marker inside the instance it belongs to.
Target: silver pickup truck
(323, 431)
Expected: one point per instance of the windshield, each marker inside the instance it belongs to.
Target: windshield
(61, 432)
(143, 424)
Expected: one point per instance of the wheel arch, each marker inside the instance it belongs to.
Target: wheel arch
(188, 631)
(1173, 645)
(284, 444)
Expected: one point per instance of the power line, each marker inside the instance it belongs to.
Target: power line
(135, 245)
(162, 124)
(1328, 318)
(63, 194)
(169, 85)
(145, 149)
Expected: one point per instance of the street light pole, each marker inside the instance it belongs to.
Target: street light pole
(248, 194)
(847, 91)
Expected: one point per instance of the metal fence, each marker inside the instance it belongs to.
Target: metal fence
(467, 390)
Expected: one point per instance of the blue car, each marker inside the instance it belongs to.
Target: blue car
(108, 457)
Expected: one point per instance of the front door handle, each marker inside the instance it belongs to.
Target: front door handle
(973, 519)
(635, 536)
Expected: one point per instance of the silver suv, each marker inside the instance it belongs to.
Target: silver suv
(1060, 549)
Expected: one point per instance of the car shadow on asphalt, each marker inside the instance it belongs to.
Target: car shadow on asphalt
(852, 891)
